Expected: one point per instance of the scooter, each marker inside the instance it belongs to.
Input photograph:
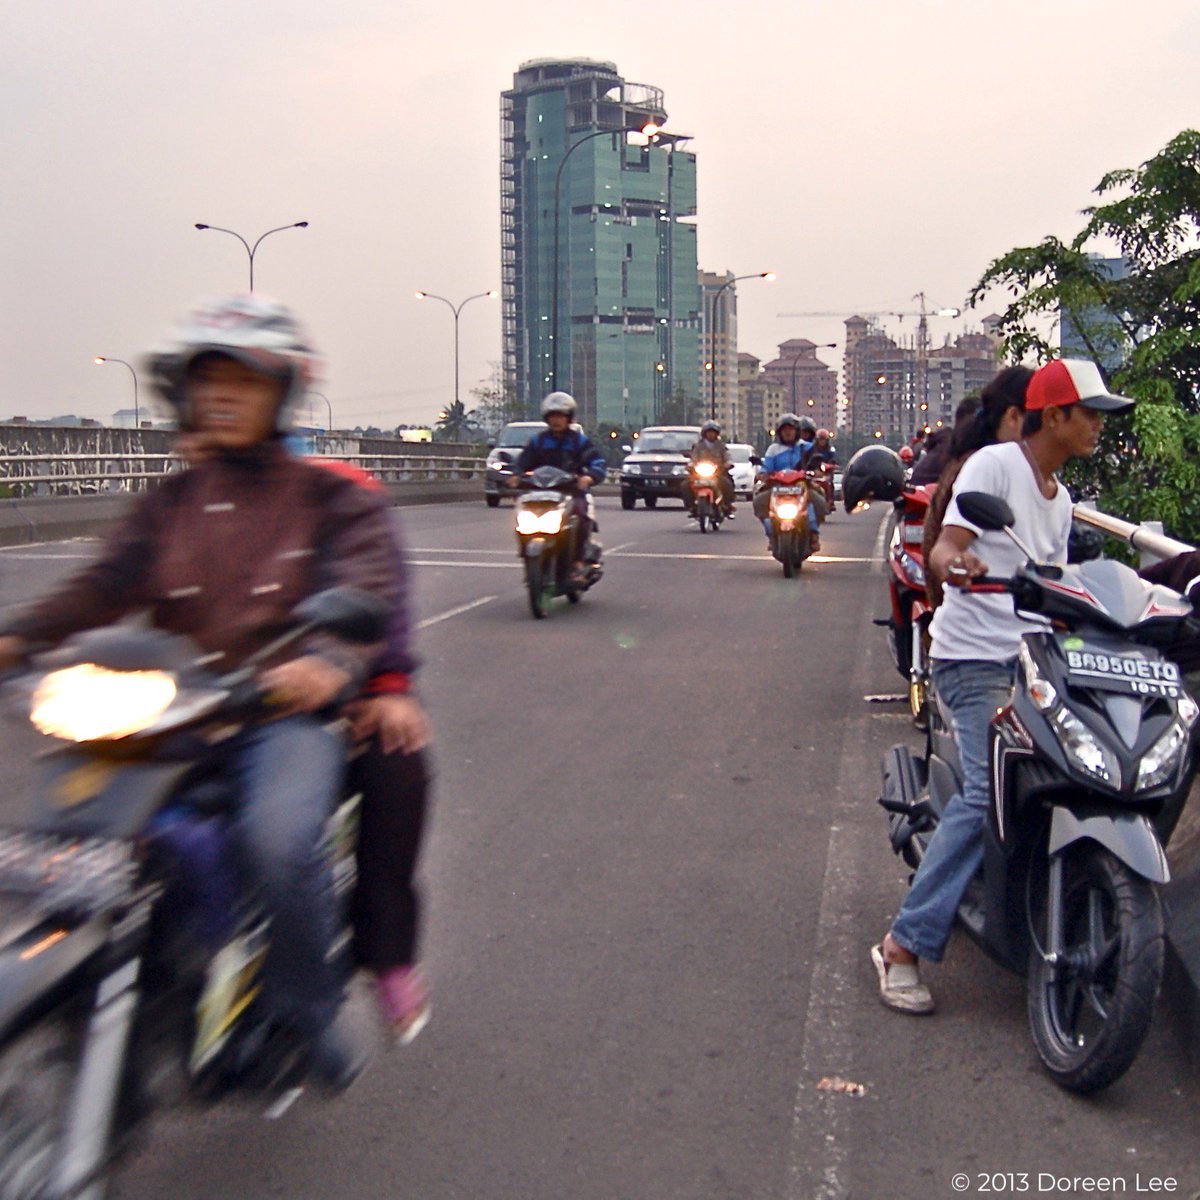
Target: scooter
(704, 480)
(130, 948)
(1091, 763)
(549, 528)
(907, 623)
(787, 512)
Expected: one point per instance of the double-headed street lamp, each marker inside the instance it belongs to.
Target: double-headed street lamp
(650, 129)
(251, 249)
(456, 309)
(100, 358)
(712, 332)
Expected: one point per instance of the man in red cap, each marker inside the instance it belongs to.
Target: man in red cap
(975, 640)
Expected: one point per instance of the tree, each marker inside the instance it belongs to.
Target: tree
(1143, 325)
(455, 424)
(497, 403)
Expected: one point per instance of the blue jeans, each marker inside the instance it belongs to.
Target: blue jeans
(288, 773)
(974, 690)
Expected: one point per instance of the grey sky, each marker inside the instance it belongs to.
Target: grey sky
(863, 151)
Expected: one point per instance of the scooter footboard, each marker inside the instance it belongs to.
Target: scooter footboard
(1128, 836)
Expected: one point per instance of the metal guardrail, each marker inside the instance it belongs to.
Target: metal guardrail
(1148, 542)
(118, 473)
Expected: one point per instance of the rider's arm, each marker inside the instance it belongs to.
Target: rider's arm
(592, 462)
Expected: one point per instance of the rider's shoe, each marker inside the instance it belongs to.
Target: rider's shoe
(337, 1059)
(900, 986)
(404, 1001)
(814, 543)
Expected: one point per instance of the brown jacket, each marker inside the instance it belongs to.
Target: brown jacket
(223, 552)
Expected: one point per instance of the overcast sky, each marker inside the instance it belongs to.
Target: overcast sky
(865, 151)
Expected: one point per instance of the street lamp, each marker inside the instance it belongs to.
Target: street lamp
(322, 396)
(650, 129)
(456, 309)
(803, 354)
(251, 249)
(712, 332)
(101, 359)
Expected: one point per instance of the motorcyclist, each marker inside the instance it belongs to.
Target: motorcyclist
(710, 447)
(222, 554)
(823, 454)
(790, 451)
(565, 446)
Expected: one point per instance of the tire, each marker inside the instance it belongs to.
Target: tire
(1089, 1023)
(787, 553)
(535, 581)
(492, 498)
(702, 520)
(628, 500)
(651, 501)
(37, 1073)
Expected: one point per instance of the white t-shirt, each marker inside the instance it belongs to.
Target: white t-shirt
(982, 626)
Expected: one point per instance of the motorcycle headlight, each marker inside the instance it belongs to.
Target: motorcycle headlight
(912, 568)
(1040, 690)
(787, 510)
(706, 470)
(1160, 762)
(86, 703)
(530, 521)
(1084, 750)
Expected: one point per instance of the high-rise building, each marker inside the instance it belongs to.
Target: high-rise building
(761, 402)
(718, 350)
(1096, 332)
(606, 226)
(809, 384)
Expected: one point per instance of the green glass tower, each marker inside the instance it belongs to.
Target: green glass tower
(620, 257)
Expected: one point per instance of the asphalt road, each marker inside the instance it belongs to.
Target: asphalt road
(654, 874)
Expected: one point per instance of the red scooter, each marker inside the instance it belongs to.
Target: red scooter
(908, 622)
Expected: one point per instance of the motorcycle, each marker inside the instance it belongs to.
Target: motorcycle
(787, 511)
(1091, 763)
(704, 480)
(908, 622)
(130, 951)
(549, 528)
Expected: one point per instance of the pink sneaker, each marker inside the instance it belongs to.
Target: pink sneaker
(403, 1001)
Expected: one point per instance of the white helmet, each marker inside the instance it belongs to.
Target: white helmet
(259, 332)
(559, 402)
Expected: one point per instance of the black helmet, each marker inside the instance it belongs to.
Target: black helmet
(808, 428)
(713, 425)
(874, 473)
(787, 419)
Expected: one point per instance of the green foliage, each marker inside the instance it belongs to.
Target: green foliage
(1144, 327)
(455, 424)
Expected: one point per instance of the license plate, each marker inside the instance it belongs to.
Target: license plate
(1126, 673)
(656, 483)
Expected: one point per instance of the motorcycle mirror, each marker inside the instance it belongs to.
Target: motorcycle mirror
(988, 512)
(755, 461)
(346, 612)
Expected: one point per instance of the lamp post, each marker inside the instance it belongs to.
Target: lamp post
(251, 249)
(101, 359)
(650, 129)
(712, 333)
(796, 360)
(322, 396)
(456, 309)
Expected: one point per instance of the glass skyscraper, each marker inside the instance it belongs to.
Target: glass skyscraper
(628, 319)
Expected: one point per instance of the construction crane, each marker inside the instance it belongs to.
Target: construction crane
(922, 372)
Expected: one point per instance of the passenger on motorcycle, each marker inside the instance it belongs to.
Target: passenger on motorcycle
(823, 451)
(566, 447)
(790, 451)
(711, 448)
(975, 644)
(222, 554)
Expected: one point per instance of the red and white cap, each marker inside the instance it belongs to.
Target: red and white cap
(1066, 381)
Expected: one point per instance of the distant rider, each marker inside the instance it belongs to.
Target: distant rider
(711, 448)
(566, 446)
(790, 451)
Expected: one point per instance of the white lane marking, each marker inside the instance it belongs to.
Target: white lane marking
(34, 545)
(46, 557)
(622, 546)
(454, 612)
(885, 528)
(441, 550)
(434, 562)
(764, 557)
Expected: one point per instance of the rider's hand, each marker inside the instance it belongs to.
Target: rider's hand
(585, 482)
(963, 567)
(303, 685)
(399, 721)
(12, 650)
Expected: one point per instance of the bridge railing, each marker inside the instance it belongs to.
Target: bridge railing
(1152, 544)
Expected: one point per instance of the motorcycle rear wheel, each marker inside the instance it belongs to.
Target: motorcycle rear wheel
(1091, 1013)
(37, 1075)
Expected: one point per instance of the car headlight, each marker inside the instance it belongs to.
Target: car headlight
(679, 469)
(86, 703)
(631, 469)
(1084, 750)
(529, 521)
(912, 568)
(1160, 762)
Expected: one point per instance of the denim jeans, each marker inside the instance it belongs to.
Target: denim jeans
(288, 773)
(973, 690)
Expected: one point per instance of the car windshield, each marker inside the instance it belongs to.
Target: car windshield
(666, 442)
(518, 435)
(739, 453)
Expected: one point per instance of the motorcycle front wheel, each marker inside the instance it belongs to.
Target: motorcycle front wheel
(537, 580)
(1090, 1012)
(37, 1074)
(788, 553)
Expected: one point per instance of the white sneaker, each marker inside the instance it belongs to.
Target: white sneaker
(900, 985)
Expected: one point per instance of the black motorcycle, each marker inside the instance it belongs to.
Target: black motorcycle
(1091, 762)
(130, 948)
(549, 532)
